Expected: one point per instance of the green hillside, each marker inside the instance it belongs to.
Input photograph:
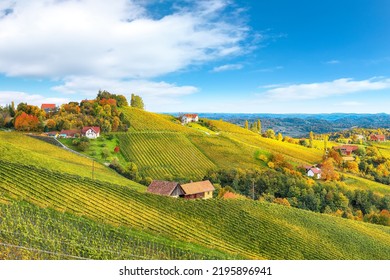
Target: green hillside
(160, 146)
(19, 148)
(237, 228)
(160, 154)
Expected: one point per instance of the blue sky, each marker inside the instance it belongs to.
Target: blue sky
(247, 56)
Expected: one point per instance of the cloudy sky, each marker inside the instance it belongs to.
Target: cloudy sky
(265, 56)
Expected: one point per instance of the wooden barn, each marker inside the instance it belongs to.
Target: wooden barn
(193, 190)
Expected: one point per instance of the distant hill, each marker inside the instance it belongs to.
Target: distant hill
(299, 125)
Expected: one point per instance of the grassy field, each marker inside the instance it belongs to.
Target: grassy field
(237, 228)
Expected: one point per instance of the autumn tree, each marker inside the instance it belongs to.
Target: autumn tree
(280, 136)
(353, 166)
(51, 124)
(328, 173)
(246, 125)
(26, 122)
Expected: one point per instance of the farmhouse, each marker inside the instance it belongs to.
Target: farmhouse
(203, 189)
(193, 190)
(165, 188)
(71, 133)
(314, 172)
(48, 108)
(377, 138)
(346, 150)
(91, 132)
(187, 118)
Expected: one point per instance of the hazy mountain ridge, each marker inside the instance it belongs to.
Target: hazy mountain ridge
(297, 125)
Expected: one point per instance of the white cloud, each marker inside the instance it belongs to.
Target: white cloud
(111, 39)
(153, 93)
(350, 104)
(333, 61)
(271, 69)
(228, 67)
(326, 89)
(6, 97)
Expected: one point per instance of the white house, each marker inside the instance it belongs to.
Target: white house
(187, 118)
(314, 172)
(91, 132)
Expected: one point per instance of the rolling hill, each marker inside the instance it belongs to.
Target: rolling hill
(45, 199)
(160, 146)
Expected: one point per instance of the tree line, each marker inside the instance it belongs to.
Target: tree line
(103, 111)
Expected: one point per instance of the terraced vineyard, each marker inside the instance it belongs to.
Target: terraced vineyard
(19, 148)
(238, 228)
(295, 153)
(225, 152)
(48, 234)
(141, 120)
(159, 154)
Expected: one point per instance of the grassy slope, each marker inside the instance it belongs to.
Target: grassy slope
(233, 147)
(240, 228)
(17, 147)
(159, 154)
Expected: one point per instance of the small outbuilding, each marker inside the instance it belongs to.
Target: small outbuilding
(165, 188)
(91, 132)
(203, 189)
(314, 172)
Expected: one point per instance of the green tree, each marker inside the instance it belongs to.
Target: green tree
(136, 101)
(270, 134)
(259, 126)
(105, 153)
(11, 109)
(311, 138)
(326, 138)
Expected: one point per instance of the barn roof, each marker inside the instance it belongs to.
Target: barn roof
(48, 106)
(70, 132)
(162, 187)
(315, 170)
(191, 115)
(198, 187)
(94, 128)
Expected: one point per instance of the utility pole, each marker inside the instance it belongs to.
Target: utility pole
(93, 169)
(253, 189)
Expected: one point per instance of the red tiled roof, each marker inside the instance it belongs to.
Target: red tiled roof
(349, 148)
(162, 187)
(48, 106)
(94, 128)
(193, 116)
(70, 132)
(198, 187)
(377, 137)
(315, 170)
